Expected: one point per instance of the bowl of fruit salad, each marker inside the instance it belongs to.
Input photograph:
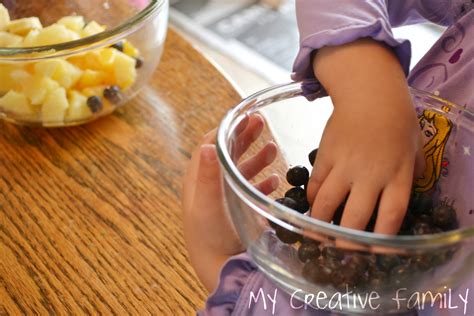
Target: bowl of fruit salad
(321, 265)
(71, 62)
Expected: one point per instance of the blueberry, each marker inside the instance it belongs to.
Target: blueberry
(317, 273)
(332, 252)
(138, 62)
(298, 194)
(422, 229)
(95, 104)
(287, 236)
(288, 202)
(377, 279)
(113, 94)
(312, 156)
(118, 46)
(297, 176)
(400, 274)
(420, 203)
(309, 250)
(386, 262)
(423, 218)
(444, 216)
(421, 262)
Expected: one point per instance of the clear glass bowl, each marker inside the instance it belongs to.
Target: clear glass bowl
(96, 64)
(296, 125)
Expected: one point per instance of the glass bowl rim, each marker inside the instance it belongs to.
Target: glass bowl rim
(297, 222)
(68, 48)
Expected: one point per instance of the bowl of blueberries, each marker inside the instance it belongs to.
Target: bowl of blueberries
(324, 266)
(75, 61)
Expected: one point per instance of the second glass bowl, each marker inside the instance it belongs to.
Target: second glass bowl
(75, 61)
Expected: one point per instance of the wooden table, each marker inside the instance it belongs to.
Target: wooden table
(90, 216)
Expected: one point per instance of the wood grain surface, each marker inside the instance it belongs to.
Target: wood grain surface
(90, 215)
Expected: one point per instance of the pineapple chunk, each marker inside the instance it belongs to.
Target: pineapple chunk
(4, 17)
(24, 26)
(55, 34)
(20, 75)
(92, 28)
(31, 40)
(38, 87)
(10, 40)
(16, 102)
(74, 23)
(78, 109)
(94, 91)
(66, 74)
(6, 82)
(124, 70)
(91, 78)
(130, 50)
(55, 106)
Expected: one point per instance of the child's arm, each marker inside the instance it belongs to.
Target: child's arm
(370, 143)
(209, 235)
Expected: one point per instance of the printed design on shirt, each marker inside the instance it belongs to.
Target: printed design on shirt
(436, 129)
(455, 39)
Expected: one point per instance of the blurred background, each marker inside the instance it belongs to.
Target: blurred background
(256, 41)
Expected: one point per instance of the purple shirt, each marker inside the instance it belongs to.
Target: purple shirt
(446, 70)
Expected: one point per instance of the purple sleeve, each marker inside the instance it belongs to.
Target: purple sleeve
(328, 23)
(244, 290)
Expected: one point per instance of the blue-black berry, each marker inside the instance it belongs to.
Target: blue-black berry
(95, 104)
(297, 176)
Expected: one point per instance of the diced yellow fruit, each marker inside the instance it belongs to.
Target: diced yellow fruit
(4, 17)
(55, 34)
(38, 87)
(106, 56)
(16, 102)
(94, 91)
(124, 70)
(55, 106)
(74, 23)
(10, 40)
(92, 28)
(90, 78)
(6, 83)
(66, 74)
(24, 26)
(130, 50)
(20, 75)
(78, 109)
(31, 40)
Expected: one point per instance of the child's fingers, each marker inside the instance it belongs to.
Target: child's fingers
(332, 192)
(248, 136)
(210, 137)
(269, 185)
(242, 125)
(252, 166)
(360, 206)
(393, 205)
(318, 175)
(208, 174)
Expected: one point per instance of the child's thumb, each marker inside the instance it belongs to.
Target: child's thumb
(209, 174)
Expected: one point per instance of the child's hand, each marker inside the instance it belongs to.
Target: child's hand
(371, 142)
(209, 234)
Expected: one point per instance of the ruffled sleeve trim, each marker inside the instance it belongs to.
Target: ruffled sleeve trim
(238, 274)
(302, 68)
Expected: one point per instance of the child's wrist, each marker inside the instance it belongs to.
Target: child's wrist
(360, 71)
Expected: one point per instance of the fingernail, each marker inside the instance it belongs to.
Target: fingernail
(208, 153)
(271, 153)
(275, 181)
